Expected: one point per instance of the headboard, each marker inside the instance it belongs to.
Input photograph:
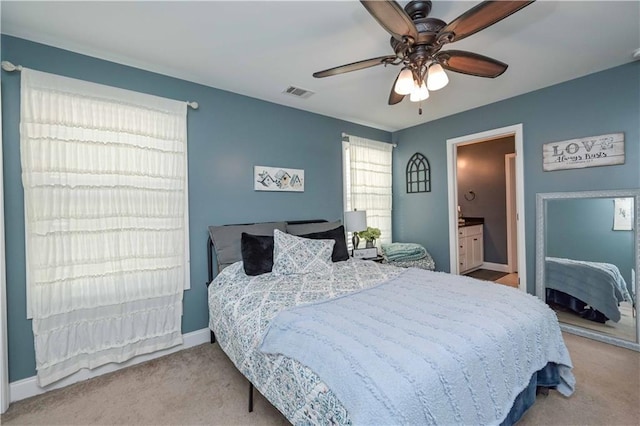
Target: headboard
(225, 239)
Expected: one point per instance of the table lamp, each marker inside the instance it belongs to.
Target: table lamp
(354, 222)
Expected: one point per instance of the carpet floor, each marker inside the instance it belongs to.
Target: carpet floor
(200, 386)
(623, 329)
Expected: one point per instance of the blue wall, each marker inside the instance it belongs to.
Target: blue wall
(582, 229)
(228, 135)
(601, 103)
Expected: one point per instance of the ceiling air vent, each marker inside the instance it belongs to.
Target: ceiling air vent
(298, 92)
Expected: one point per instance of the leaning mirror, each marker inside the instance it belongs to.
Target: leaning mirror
(587, 258)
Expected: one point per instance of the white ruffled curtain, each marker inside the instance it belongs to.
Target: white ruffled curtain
(370, 165)
(104, 175)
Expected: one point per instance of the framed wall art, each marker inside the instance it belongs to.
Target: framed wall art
(278, 179)
(418, 174)
(623, 214)
(603, 150)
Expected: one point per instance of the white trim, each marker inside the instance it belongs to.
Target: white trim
(26, 259)
(452, 185)
(4, 368)
(583, 332)
(346, 190)
(499, 267)
(345, 187)
(28, 387)
(512, 235)
(187, 253)
(452, 144)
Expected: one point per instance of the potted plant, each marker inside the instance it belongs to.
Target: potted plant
(369, 235)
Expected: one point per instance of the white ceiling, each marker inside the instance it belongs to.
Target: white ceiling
(259, 48)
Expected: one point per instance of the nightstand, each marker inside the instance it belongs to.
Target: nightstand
(378, 259)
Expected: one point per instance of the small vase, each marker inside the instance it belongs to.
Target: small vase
(371, 243)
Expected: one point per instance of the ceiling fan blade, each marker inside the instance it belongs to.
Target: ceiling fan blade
(480, 17)
(395, 98)
(355, 66)
(470, 63)
(392, 18)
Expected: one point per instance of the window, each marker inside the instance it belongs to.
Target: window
(105, 180)
(367, 167)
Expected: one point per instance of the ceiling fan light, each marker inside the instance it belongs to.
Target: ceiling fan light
(419, 93)
(404, 84)
(437, 78)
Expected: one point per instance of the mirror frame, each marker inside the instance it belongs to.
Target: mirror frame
(541, 204)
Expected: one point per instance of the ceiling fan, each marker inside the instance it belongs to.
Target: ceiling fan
(417, 39)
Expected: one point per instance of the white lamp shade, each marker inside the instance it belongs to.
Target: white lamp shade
(355, 221)
(437, 78)
(404, 84)
(419, 93)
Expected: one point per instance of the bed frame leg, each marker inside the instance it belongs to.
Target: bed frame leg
(212, 337)
(250, 397)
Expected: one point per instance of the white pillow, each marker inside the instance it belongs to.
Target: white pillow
(296, 255)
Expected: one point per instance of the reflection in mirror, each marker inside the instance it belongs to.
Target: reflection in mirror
(587, 261)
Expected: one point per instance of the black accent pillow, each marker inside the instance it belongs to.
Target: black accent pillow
(257, 253)
(340, 251)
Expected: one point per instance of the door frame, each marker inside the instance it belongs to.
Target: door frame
(512, 240)
(452, 183)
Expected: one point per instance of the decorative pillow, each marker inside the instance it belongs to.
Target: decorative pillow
(340, 251)
(301, 229)
(226, 239)
(257, 253)
(297, 255)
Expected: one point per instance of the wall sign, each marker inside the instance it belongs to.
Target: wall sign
(277, 179)
(603, 150)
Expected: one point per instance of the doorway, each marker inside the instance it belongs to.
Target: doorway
(515, 131)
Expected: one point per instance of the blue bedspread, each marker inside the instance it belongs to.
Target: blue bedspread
(425, 348)
(600, 285)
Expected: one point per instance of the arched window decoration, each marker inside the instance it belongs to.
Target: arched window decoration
(418, 174)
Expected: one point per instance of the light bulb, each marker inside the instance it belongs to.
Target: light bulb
(404, 84)
(419, 93)
(437, 78)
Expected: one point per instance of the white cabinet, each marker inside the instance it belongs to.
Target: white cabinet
(470, 248)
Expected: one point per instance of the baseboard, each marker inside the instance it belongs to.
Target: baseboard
(499, 267)
(28, 387)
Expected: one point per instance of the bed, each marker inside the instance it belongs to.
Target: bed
(467, 357)
(593, 290)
